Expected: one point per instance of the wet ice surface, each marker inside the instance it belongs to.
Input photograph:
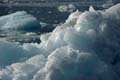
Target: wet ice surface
(85, 47)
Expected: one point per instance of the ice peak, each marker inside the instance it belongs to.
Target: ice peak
(91, 9)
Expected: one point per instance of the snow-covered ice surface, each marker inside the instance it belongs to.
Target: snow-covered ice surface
(85, 47)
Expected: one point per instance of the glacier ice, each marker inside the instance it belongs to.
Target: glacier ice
(19, 21)
(13, 52)
(85, 47)
(73, 17)
(67, 8)
(10, 53)
(91, 9)
(65, 61)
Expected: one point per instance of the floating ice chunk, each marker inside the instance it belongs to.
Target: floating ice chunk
(71, 7)
(62, 8)
(19, 21)
(10, 53)
(67, 8)
(91, 9)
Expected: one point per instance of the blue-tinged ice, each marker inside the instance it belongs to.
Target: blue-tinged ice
(20, 21)
(85, 47)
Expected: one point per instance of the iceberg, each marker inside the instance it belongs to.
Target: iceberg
(20, 21)
(87, 49)
(67, 8)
